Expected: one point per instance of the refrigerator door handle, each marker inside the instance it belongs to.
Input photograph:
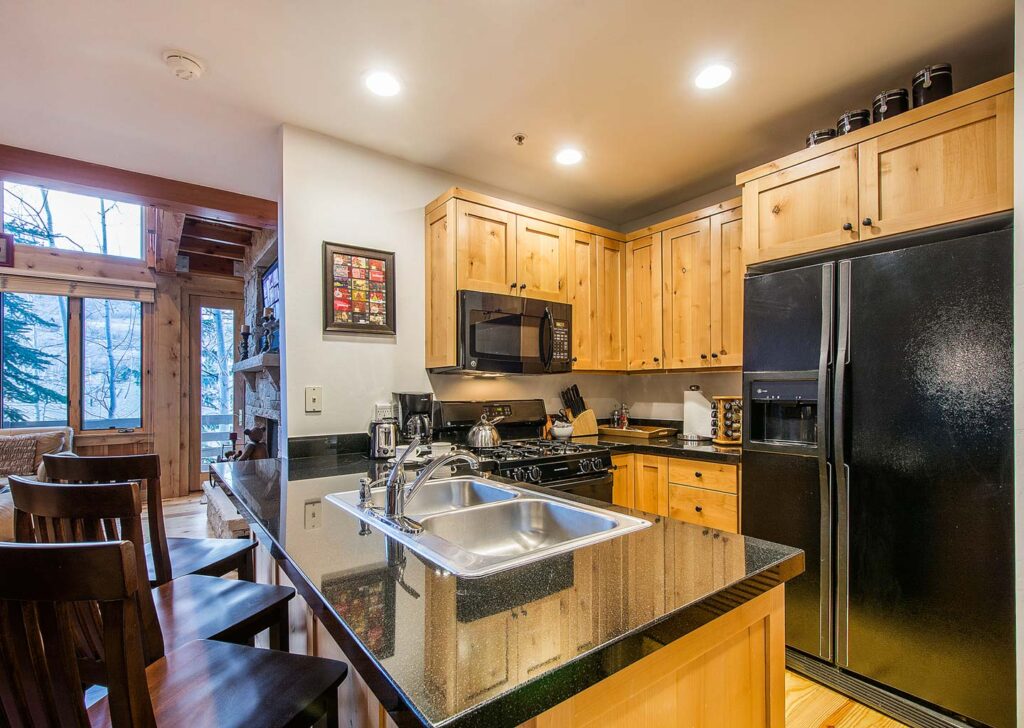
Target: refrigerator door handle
(825, 360)
(842, 469)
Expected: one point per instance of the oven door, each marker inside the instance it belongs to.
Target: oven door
(597, 487)
(513, 335)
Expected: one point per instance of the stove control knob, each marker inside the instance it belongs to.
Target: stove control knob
(596, 464)
(535, 474)
(518, 474)
(584, 466)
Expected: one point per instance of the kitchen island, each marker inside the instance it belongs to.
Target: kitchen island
(675, 624)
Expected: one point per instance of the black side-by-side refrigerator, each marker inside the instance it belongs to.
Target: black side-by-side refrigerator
(878, 392)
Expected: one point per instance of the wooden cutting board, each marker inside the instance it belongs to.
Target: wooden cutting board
(645, 432)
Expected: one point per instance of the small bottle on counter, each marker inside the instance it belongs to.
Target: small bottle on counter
(624, 416)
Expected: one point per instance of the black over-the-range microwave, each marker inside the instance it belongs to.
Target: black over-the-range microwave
(512, 335)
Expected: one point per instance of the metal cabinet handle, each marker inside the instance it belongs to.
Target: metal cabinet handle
(513, 286)
(522, 286)
(867, 221)
(703, 356)
(698, 474)
(698, 508)
(847, 226)
(714, 356)
(656, 360)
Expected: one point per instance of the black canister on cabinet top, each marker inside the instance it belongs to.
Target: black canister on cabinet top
(819, 136)
(853, 120)
(932, 83)
(890, 103)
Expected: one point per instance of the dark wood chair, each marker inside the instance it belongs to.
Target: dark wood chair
(166, 558)
(184, 609)
(43, 587)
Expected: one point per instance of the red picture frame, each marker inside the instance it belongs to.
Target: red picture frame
(6, 250)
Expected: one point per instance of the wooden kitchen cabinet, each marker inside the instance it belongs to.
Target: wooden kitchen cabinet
(485, 249)
(611, 304)
(803, 208)
(947, 161)
(704, 507)
(583, 295)
(543, 637)
(623, 476)
(440, 300)
(686, 270)
(950, 167)
(644, 343)
(541, 259)
(650, 489)
(727, 272)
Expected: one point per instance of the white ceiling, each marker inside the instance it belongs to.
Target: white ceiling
(612, 77)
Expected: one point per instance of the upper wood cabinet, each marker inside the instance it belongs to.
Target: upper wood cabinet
(727, 271)
(686, 271)
(485, 249)
(644, 302)
(440, 301)
(946, 161)
(953, 166)
(806, 207)
(583, 286)
(611, 303)
(541, 259)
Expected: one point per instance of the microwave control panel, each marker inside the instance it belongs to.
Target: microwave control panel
(561, 340)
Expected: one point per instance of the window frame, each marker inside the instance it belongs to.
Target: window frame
(76, 370)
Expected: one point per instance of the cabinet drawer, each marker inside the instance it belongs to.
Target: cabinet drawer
(702, 474)
(703, 507)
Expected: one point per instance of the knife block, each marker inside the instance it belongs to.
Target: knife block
(585, 423)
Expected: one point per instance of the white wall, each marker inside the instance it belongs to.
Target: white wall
(339, 192)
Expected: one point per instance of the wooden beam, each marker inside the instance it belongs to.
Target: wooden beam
(217, 233)
(73, 175)
(208, 264)
(164, 237)
(208, 247)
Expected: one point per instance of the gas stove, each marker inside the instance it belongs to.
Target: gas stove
(547, 461)
(522, 456)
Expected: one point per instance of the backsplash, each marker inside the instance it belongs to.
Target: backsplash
(660, 396)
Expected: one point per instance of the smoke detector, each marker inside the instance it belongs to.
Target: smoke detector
(183, 65)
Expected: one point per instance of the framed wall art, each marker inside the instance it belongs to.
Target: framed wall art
(359, 290)
(6, 250)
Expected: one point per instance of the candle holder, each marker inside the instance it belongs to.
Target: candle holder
(245, 344)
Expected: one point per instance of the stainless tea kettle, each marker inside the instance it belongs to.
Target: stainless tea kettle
(484, 434)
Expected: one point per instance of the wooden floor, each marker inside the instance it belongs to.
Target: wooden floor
(808, 704)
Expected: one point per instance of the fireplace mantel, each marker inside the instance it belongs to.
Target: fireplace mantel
(268, 361)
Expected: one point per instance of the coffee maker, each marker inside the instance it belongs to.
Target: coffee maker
(415, 414)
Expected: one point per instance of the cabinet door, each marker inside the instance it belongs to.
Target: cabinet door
(611, 303)
(650, 492)
(643, 303)
(542, 634)
(951, 167)
(583, 295)
(439, 259)
(485, 249)
(622, 479)
(727, 289)
(687, 270)
(801, 208)
(540, 259)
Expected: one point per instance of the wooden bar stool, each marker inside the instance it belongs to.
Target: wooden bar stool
(43, 590)
(166, 558)
(184, 609)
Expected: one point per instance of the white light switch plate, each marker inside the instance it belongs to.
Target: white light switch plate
(314, 398)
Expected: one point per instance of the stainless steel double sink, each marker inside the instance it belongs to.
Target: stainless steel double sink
(475, 526)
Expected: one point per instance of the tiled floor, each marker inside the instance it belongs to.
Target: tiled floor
(808, 704)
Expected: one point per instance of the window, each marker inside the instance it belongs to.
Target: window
(217, 359)
(111, 364)
(55, 219)
(34, 346)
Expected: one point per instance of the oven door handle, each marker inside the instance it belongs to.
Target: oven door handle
(597, 478)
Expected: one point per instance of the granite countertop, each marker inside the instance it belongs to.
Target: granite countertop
(670, 446)
(435, 648)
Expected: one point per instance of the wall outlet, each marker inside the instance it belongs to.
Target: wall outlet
(313, 514)
(314, 398)
(383, 411)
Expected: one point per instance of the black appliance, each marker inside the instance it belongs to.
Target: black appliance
(562, 466)
(878, 394)
(512, 335)
(414, 412)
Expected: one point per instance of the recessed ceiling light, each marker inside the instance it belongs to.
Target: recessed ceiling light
(382, 83)
(569, 156)
(713, 76)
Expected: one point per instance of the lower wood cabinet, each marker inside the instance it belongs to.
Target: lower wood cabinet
(695, 491)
